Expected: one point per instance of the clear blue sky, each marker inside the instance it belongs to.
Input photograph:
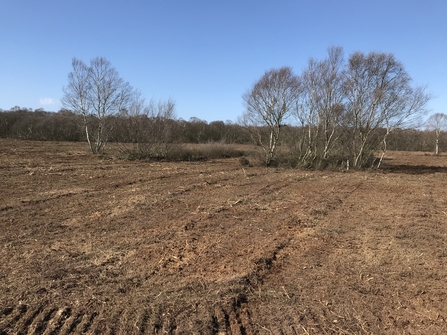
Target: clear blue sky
(204, 54)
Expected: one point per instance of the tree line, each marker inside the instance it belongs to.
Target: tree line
(41, 125)
(336, 112)
(64, 125)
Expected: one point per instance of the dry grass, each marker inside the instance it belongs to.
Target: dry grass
(111, 246)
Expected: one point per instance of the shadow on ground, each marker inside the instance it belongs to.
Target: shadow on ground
(414, 169)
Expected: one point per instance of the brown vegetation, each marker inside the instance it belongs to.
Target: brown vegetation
(105, 246)
(40, 125)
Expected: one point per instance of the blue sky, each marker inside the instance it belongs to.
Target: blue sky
(205, 54)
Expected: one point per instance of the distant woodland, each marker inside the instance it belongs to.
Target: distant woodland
(40, 125)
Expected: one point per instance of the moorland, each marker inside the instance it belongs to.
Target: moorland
(101, 245)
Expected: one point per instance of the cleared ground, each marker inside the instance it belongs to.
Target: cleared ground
(105, 246)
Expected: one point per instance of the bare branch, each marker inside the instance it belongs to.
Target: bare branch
(268, 104)
(96, 92)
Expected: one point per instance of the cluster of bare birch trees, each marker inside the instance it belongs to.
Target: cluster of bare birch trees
(344, 110)
(98, 94)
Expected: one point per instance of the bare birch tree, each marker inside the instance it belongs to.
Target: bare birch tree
(331, 106)
(438, 123)
(268, 104)
(306, 111)
(379, 95)
(96, 92)
(320, 106)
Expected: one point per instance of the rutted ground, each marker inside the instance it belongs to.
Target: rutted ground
(93, 245)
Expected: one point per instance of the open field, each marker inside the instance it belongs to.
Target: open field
(105, 246)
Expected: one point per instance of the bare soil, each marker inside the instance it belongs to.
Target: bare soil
(105, 246)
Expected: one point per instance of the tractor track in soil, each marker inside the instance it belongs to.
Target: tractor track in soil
(49, 320)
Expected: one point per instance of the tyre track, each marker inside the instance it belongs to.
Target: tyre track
(50, 320)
